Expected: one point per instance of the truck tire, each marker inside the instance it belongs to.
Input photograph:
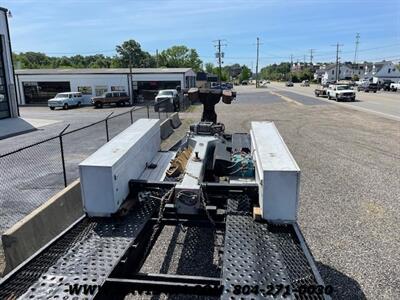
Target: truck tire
(65, 106)
(329, 96)
(336, 98)
(316, 94)
(98, 105)
(78, 105)
(52, 108)
(374, 91)
(121, 103)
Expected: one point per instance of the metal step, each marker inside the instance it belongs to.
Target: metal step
(258, 256)
(85, 255)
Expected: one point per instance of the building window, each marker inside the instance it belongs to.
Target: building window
(117, 88)
(190, 81)
(100, 89)
(85, 90)
(40, 92)
(333, 72)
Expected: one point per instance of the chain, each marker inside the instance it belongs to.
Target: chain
(156, 227)
(203, 202)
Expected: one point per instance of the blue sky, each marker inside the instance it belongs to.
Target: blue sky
(67, 27)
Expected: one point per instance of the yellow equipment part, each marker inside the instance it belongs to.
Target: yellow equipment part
(178, 164)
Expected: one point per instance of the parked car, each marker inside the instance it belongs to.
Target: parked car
(214, 84)
(167, 99)
(289, 83)
(223, 86)
(395, 86)
(341, 92)
(118, 98)
(305, 83)
(320, 91)
(229, 85)
(65, 100)
(368, 87)
(385, 85)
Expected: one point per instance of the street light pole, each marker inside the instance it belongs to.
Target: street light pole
(130, 80)
(258, 46)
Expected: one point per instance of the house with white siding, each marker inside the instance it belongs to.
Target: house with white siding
(327, 73)
(375, 72)
(381, 71)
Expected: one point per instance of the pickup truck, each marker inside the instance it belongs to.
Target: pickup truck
(341, 92)
(305, 83)
(167, 100)
(368, 87)
(320, 91)
(395, 86)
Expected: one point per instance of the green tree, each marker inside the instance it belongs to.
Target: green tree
(276, 71)
(233, 70)
(224, 73)
(245, 74)
(209, 67)
(33, 60)
(180, 57)
(132, 50)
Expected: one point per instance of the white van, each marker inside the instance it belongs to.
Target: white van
(65, 100)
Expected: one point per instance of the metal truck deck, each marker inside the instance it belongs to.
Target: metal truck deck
(104, 258)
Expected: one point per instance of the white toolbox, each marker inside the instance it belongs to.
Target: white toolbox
(277, 173)
(105, 174)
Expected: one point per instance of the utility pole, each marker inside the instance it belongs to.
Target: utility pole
(130, 80)
(219, 56)
(258, 51)
(311, 55)
(157, 58)
(355, 52)
(337, 61)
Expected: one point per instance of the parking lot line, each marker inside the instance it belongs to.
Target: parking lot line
(287, 99)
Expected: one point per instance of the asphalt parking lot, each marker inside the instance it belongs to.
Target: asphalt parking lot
(349, 208)
(382, 103)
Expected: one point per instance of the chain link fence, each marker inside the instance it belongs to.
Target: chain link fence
(31, 175)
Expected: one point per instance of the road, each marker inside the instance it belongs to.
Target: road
(350, 162)
(386, 104)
